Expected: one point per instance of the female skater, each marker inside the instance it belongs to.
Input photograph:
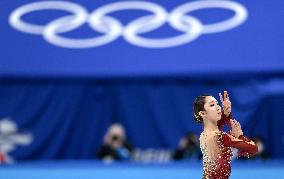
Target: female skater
(215, 144)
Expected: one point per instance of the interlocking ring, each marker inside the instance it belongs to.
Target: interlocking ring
(100, 21)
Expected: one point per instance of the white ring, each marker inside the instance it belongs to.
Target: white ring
(239, 17)
(15, 18)
(52, 36)
(189, 35)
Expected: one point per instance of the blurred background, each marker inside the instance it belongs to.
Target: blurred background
(92, 89)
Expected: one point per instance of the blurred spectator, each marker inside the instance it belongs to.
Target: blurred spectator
(2, 157)
(115, 146)
(188, 148)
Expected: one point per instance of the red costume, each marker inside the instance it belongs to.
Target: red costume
(217, 152)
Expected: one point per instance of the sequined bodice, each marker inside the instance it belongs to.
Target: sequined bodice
(217, 151)
(216, 157)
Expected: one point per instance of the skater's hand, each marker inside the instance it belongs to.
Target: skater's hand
(226, 103)
(236, 130)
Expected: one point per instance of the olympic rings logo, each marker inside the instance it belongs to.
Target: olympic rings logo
(111, 28)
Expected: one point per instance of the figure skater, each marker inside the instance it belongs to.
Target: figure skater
(215, 144)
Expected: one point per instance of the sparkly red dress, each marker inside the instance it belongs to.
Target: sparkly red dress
(217, 152)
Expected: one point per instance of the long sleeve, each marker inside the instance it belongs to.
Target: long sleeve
(242, 143)
(224, 120)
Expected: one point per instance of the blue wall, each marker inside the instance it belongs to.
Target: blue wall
(68, 118)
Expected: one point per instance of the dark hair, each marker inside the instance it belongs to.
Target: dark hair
(198, 105)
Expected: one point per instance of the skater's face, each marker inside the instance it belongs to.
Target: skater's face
(212, 110)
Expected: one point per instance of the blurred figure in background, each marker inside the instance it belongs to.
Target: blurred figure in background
(188, 148)
(11, 137)
(2, 157)
(115, 146)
